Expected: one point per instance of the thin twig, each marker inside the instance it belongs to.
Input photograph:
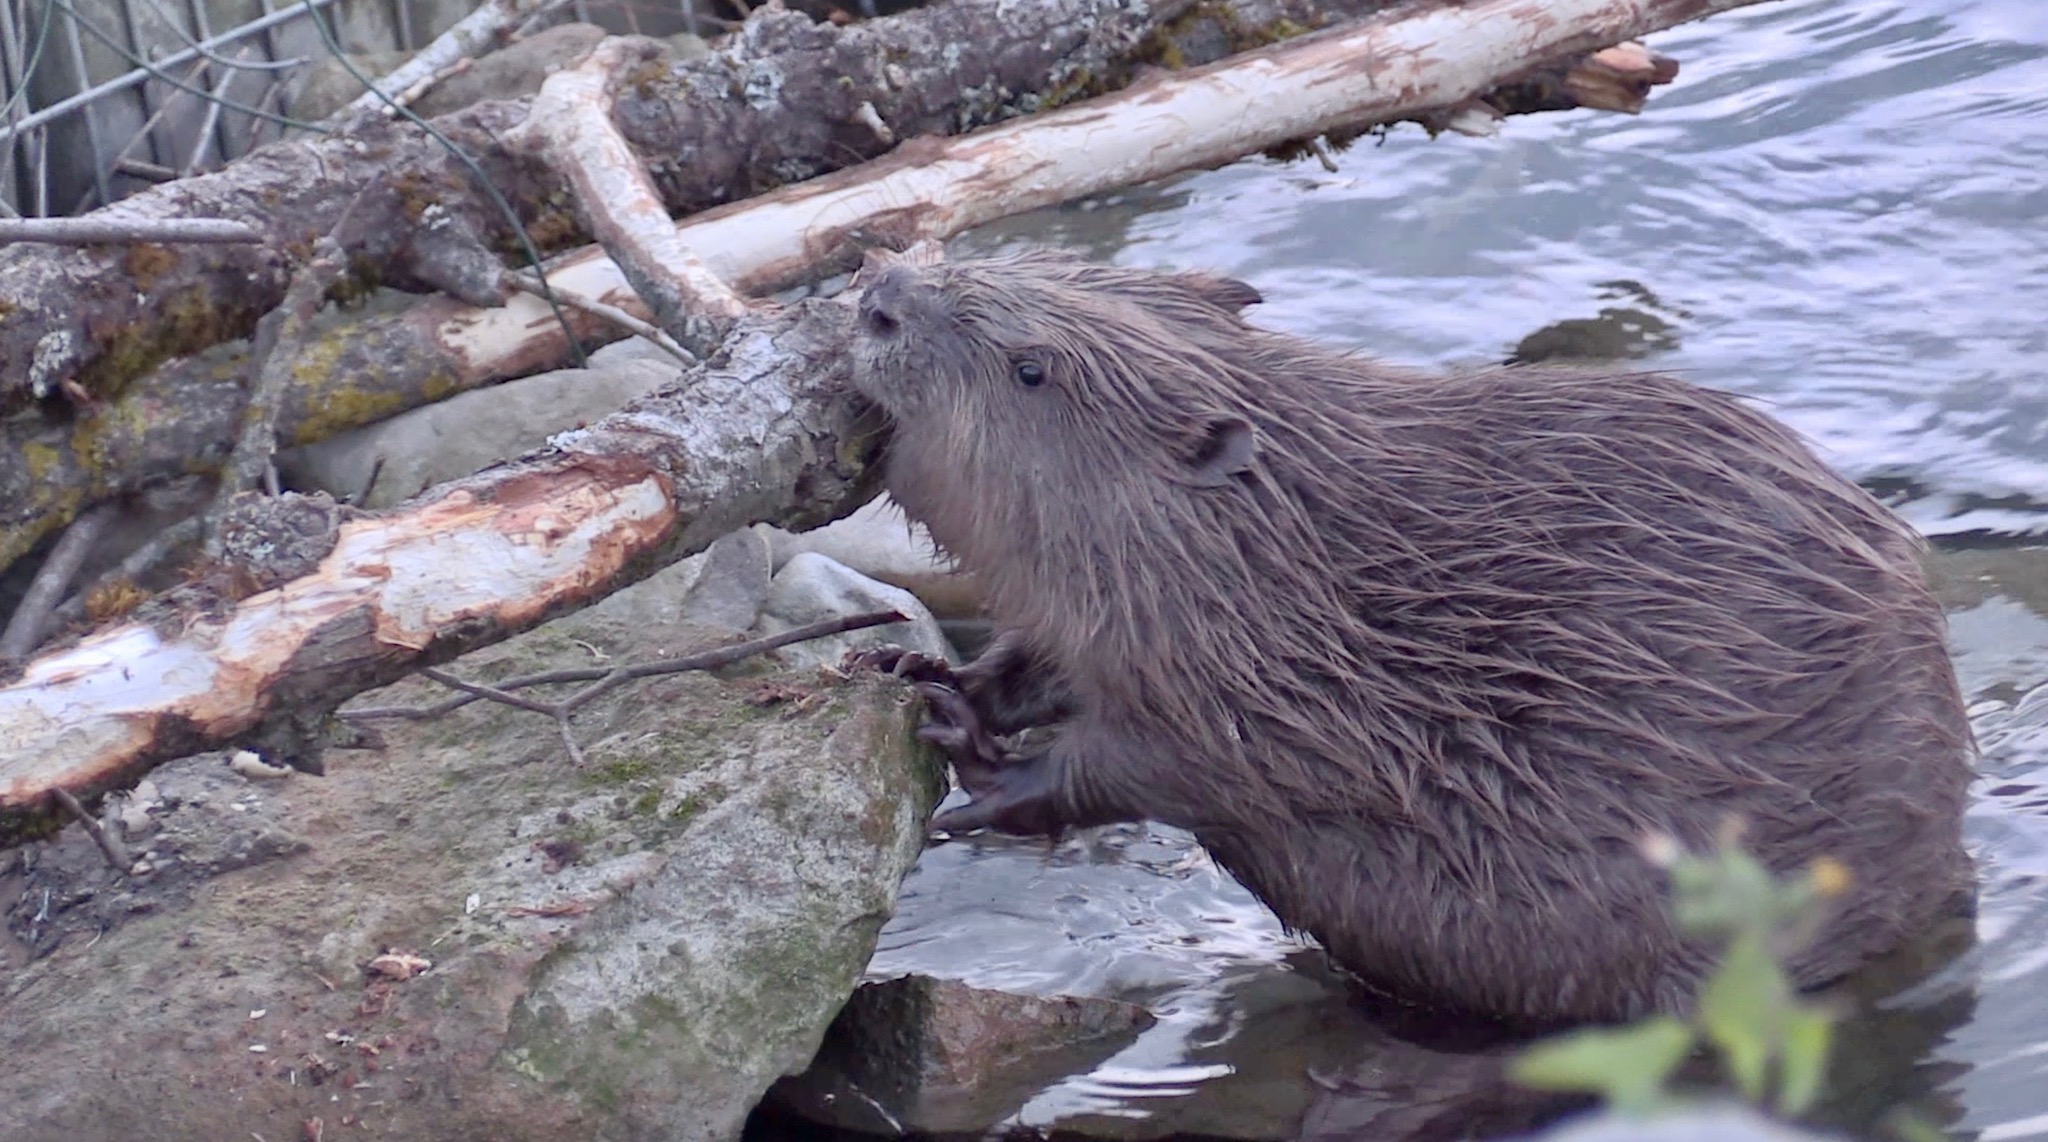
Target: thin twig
(140, 562)
(607, 677)
(552, 709)
(576, 757)
(31, 616)
(270, 371)
(148, 172)
(116, 855)
(84, 231)
(611, 313)
(361, 495)
(163, 108)
(472, 35)
(209, 124)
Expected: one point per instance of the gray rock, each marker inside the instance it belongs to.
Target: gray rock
(880, 543)
(917, 1054)
(732, 585)
(812, 587)
(442, 441)
(877, 541)
(466, 936)
(685, 46)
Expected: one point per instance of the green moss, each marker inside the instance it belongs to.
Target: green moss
(147, 261)
(695, 803)
(621, 772)
(333, 408)
(1162, 48)
(184, 322)
(42, 459)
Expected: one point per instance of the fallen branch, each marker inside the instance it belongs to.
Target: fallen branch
(31, 618)
(571, 124)
(757, 435)
(99, 320)
(149, 557)
(113, 229)
(117, 856)
(603, 681)
(280, 338)
(606, 679)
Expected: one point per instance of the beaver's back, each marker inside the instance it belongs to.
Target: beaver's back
(1602, 605)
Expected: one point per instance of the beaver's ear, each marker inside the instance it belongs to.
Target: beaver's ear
(1225, 450)
(1226, 294)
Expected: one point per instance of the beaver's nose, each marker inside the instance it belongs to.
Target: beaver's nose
(882, 300)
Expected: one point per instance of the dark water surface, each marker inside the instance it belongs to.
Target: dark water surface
(1841, 208)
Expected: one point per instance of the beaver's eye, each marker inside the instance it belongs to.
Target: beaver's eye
(1030, 374)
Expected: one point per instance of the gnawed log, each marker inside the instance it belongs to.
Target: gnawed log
(755, 435)
(1406, 63)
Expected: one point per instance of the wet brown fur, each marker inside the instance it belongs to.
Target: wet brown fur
(1425, 669)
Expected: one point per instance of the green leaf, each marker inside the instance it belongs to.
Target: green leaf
(1908, 1126)
(1808, 1032)
(1742, 1008)
(1625, 1065)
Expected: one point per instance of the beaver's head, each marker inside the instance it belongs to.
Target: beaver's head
(1003, 360)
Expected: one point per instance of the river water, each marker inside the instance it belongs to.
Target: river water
(1840, 208)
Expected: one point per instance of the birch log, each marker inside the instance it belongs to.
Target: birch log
(758, 434)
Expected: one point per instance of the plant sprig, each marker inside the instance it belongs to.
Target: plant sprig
(1768, 1038)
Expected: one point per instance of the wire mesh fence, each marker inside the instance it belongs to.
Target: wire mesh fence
(105, 97)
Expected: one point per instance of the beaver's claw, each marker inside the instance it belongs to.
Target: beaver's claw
(1017, 799)
(902, 662)
(957, 728)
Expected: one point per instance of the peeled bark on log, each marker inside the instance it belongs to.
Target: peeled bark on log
(572, 124)
(926, 189)
(756, 436)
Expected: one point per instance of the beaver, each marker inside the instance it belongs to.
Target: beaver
(1419, 658)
